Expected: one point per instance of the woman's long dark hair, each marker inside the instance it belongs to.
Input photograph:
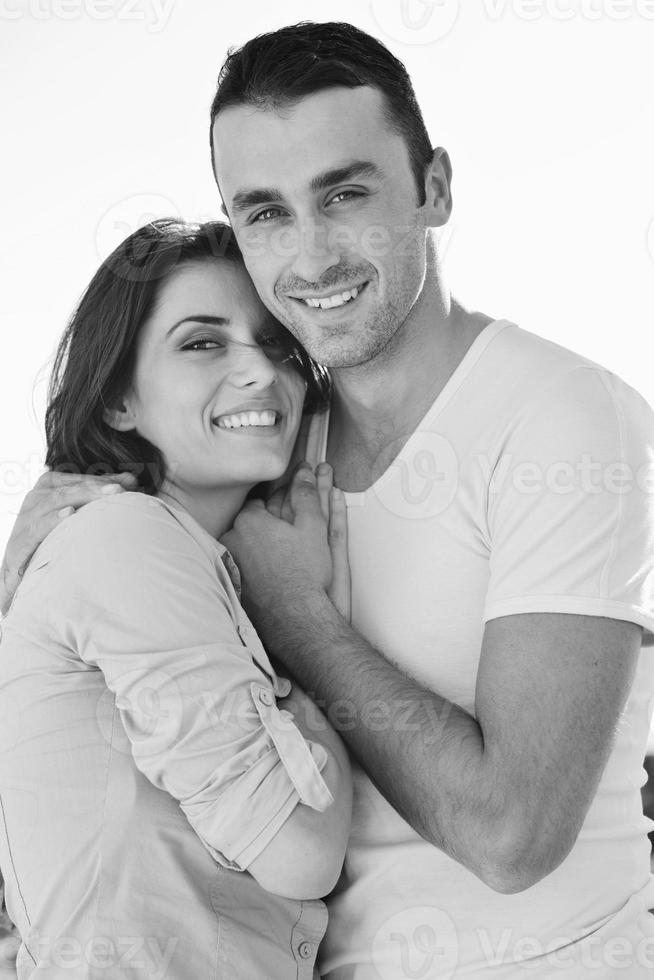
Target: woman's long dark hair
(95, 360)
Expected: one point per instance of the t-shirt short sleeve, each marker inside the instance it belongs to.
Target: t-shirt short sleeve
(571, 503)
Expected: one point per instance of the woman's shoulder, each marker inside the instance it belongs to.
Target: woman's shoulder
(129, 510)
(125, 524)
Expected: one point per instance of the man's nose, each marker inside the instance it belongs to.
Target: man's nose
(315, 250)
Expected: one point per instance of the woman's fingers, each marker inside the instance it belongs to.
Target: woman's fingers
(340, 591)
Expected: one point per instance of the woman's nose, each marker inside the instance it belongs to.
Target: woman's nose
(252, 368)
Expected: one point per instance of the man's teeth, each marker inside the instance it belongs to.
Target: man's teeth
(329, 302)
(243, 419)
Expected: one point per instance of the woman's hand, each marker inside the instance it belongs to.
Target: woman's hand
(334, 512)
(285, 551)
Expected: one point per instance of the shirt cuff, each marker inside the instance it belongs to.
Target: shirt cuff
(238, 825)
(302, 760)
(578, 605)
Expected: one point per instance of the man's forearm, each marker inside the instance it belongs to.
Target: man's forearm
(425, 754)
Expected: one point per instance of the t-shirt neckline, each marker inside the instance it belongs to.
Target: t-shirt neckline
(449, 389)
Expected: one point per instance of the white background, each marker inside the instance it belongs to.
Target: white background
(545, 108)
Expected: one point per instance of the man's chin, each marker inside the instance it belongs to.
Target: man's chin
(343, 352)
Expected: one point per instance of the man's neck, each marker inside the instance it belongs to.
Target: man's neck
(376, 406)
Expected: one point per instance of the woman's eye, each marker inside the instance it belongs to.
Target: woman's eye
(205, 343)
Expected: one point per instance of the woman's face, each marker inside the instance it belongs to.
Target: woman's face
(211, 389)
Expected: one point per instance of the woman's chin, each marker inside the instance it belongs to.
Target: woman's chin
(264, 473)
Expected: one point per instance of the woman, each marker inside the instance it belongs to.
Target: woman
(160, 815)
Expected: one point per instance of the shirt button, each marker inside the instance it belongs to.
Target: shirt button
(305, 950)
(266, 697)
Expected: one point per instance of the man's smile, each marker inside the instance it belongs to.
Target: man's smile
(331, 300)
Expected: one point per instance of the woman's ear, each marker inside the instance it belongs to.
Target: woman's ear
(121, 417)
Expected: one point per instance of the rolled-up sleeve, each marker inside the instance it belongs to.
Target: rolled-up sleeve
(134, 595)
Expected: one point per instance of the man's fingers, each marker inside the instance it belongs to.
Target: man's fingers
(30, 537)
(340, 591)
(275, 501)
(337, 519)
(74, 495)
(52, 479)
(22, 548)
(324, 483)
(253, 506)
(54, 497)
(287, 514)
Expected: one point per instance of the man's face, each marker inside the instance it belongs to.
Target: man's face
(324, 205)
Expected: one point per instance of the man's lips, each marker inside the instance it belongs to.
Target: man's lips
(333, 300)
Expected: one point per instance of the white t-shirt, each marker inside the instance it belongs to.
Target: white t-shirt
(527, 487)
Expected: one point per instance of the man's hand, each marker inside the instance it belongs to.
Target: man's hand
(54, 497)
(294, 544)
(9, 941)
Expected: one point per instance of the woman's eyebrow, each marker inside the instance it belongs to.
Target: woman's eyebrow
(243, 200)
(218, 321)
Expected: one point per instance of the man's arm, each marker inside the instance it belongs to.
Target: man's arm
(504, 793)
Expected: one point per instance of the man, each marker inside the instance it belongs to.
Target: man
(490, 685)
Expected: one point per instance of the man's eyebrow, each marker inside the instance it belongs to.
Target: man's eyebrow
(246, 199)
(217, 321)
(341, 175)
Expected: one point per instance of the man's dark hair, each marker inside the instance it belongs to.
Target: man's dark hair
(95, 360)
(281, 68)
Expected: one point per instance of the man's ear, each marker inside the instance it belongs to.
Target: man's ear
(121, 417)
(438, 188)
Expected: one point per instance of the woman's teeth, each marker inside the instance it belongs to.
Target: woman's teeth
(329, 302)
(243, 419)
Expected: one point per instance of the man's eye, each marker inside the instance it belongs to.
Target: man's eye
(204, 343)
(266, 215)
(274, 346)
(343, 196)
